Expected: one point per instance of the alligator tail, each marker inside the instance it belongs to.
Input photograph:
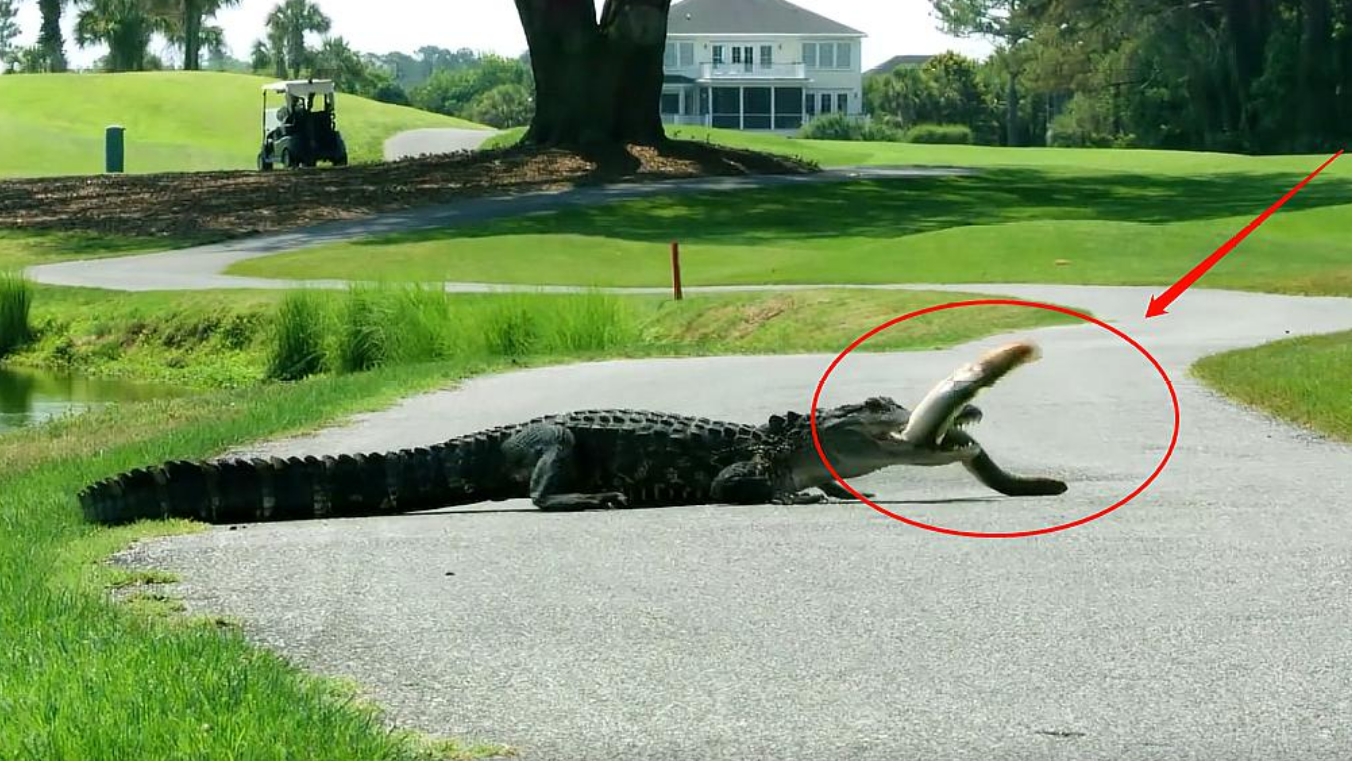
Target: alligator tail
(258, 490)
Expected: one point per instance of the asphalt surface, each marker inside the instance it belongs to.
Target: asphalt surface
(201, 267)
(1208, 619)
(432, 142)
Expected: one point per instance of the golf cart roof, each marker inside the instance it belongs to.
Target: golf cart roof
(301, 87)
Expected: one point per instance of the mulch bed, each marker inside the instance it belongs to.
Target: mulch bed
(222, 205)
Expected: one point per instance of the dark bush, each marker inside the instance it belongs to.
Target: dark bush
(842, 127)
(940, 134)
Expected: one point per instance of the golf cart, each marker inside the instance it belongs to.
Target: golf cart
(303, 130)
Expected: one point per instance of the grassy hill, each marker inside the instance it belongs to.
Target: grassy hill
(176, 121)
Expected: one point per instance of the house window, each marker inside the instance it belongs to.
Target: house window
(826, 103)
(718, 55)
(843, 102)
(811, 104)
(736, 54)
(669, 58)
(687, 55)
(826, 56)
(767, 56)
(671, 103)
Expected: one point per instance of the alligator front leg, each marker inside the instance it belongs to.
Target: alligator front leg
(748, 483)
(548, 453)
(552, 483)
(836, 491)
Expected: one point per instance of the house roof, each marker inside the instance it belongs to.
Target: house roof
(750, 17)
(897, 61)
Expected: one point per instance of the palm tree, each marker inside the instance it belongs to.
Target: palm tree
(191, 30)
(288, 23)
(51, 41)
(276, 44)
(125, 26)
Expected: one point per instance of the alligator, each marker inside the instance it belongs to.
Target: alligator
(595, 459)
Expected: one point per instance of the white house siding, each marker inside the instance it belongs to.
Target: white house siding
(696, 102)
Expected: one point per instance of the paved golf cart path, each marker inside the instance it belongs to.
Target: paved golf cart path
(201, 267)
(431, 142)
(1207, 620)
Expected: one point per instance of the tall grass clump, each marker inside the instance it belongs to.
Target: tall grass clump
(423, 325)
(298, 337)
(363, 330)
(512, 325)
(16, 299)
(591, 322)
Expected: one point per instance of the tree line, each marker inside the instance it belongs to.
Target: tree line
(484, 88)
(1257, 76)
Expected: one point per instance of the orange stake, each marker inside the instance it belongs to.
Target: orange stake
(676, 270)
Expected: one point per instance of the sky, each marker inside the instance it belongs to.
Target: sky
(894, 27)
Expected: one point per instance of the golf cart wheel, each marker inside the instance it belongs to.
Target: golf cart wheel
(264, 165)
(288, 160)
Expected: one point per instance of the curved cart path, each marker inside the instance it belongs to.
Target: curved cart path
(201, 267)
(1207, 620)
(430, 142)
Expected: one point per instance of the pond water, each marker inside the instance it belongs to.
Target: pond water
(29, 397)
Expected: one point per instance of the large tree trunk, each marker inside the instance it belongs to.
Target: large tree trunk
(51, 41)
(1014, 137)
(192, 35)
(1345, 95)
(1319, 93)
(596, 83)
(1248, 24)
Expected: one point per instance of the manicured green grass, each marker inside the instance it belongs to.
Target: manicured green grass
(830, 153)
(1004, 225)
(26, 248)
(176, 121)
(828, 321)
(83, 678)
(1307, 381)
(847, 153)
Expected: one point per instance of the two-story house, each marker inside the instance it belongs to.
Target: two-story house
(758, 65)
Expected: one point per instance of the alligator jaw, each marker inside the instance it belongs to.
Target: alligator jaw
(945, 405)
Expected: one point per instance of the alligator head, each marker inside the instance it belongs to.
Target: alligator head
(862, 438)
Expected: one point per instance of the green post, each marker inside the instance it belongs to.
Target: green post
(114, 148)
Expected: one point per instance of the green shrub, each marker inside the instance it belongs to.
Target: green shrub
(511, 326)
(591, 322)
(940, 134)
(298, 337)
(424, 327)
(842, 127)
(16, 301)
(362, 339)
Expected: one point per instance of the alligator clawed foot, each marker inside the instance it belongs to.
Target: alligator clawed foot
(800, 498)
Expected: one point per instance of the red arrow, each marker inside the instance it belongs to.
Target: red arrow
(1158, 304)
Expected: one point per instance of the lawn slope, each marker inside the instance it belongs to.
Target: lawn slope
(1005, 224)
(1307, 381)
(52, 124)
